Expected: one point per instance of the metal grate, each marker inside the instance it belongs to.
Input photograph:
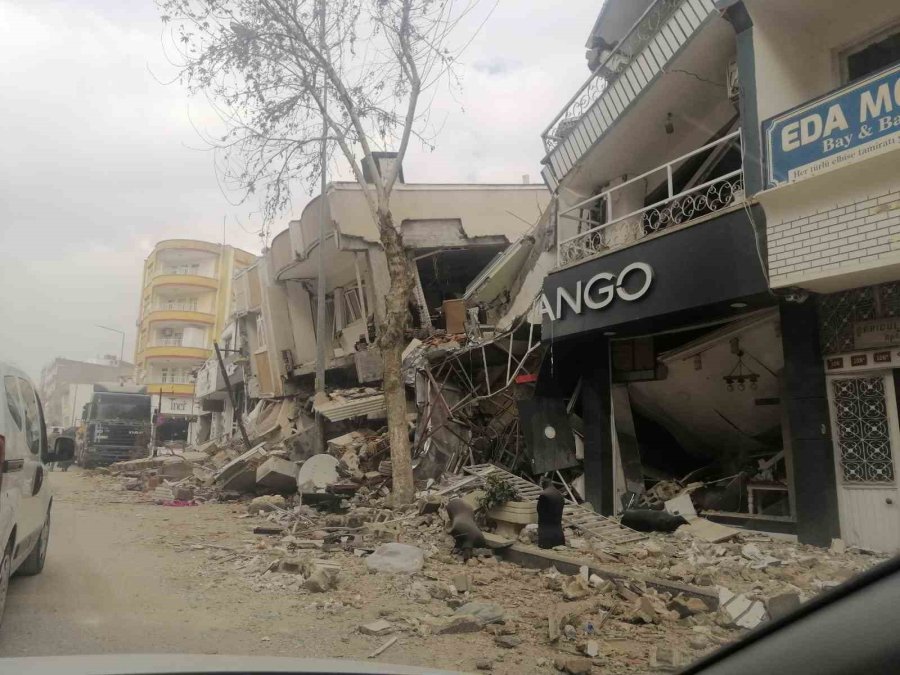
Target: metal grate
(863, 430)
(837, 312)
(575, 516)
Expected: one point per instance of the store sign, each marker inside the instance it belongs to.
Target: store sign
(174, 405)
(876, 333)
(854, 123)
(598, 292)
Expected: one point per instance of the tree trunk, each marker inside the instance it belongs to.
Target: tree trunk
(392, 342)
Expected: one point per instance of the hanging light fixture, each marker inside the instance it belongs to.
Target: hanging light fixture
(741, 375)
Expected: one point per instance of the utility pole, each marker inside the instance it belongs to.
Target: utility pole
(240, 419)
(120, 332)
(321, 329)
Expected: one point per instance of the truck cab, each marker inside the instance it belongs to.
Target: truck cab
(116, 425)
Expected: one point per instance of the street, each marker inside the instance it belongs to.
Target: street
(115, 582)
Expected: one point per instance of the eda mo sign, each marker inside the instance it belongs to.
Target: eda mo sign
(854, 123)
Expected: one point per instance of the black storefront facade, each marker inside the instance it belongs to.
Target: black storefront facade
(701, 274)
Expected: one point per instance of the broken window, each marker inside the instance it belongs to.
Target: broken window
(633, 360)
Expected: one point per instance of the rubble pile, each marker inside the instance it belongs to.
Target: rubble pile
(585, 606)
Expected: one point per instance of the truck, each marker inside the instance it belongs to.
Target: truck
(116, 425)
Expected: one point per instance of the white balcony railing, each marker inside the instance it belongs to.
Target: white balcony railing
(699, 200)
(168, 342)
(645, 53)
(176, 307)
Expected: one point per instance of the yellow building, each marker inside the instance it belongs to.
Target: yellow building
(185, 300)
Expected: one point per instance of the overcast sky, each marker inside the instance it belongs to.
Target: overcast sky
(99, 160)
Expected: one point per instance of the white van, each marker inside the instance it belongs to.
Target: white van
(25, 498)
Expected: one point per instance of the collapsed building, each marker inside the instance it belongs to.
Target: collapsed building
(645, 339)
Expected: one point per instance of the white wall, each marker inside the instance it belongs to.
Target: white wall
(796, 45)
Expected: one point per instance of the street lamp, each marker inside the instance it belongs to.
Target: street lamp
(120, 332)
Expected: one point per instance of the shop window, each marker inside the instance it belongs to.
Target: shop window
(863, 429)
(633, 360)
(871, 56)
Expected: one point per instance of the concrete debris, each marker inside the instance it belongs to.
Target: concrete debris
(484, 664)
(739, 610)
(278, 474)
(602, 603)
(508, 641)
(574, 665)
(377, 627)
(321, 576)
(463, 623)
(576, 588)
(394, 558)
(265, 503)
(485, 612)
(778, 606)
(666, 658)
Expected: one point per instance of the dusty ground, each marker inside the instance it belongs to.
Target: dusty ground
(126, 575)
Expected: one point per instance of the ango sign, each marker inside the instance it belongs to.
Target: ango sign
(854, 123)
(631, 284)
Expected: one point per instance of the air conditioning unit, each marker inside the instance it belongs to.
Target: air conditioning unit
(168, 332)
(732, 81)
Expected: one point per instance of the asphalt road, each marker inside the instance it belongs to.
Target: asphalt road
(105, 589)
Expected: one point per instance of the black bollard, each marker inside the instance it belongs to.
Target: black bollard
(550, 510)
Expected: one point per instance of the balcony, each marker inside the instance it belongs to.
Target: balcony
(687, 205)
(640, 58)
(187, 316)
(179, 279)
(174, 351)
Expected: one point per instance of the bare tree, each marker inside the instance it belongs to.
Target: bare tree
(279, 72)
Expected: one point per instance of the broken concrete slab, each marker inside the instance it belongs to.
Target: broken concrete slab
(666, 658)
(239, 474)
(485, 612)
(321, 575)
(317, 473)
(266, 503)
(708, 531)
(277, 474)
(395, 558)
(739, 610)
(377, 627)
(781, 605)
(456, 625)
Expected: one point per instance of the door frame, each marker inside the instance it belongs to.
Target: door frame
(893, 416)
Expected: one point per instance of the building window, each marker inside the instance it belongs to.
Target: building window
(871, 56)
(352, 305)
(863, 429)
(170, 337)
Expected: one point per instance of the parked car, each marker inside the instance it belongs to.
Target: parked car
(25, 498)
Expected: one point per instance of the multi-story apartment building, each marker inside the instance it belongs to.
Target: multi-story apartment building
(66, 385)
(821, 84)
(724, 249)
(451, 231)
(186, 298)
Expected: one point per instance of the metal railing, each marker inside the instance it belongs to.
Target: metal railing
(168, 342)
(628, 47)
(676, 209)
(176, 307)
